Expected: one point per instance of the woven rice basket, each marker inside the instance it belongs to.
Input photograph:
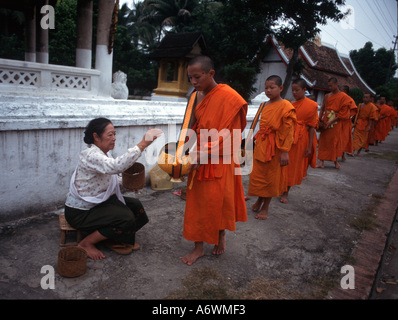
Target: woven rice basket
(134, 177)
(72, 262)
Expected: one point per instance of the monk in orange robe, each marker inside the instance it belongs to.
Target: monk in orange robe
(303, 151)
(274, 139)
(366, 116)
(336, 107)
(384, 123)
(371, 135)
(215, 197)
(394, 114)
(347, 125)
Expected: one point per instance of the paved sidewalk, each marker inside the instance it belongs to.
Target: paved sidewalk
(299, 250)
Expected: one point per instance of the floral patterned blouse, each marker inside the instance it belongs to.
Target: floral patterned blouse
(94, 172)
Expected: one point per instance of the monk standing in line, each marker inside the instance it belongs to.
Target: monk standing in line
(371, 135)
(384, 124)
(394, 114)
(303, 151)
(336, 107)
(215, 197)
(274, 139)
(366, 116)
(347, 125)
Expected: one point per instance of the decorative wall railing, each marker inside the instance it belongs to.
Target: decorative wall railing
(38, 78)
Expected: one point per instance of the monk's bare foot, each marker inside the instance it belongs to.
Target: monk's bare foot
(262, 215)
(350, 154)
(320, 165)
(337, 165)
(92, 251)
(196, 253)
(283, 198)
(222, 244)
(257, 206)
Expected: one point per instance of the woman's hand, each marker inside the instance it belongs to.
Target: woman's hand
(150, 136)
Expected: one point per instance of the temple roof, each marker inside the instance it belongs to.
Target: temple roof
(177, 45)
(322, 62)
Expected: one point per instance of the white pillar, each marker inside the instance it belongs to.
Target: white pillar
(84, 33)
(42, 36)
(103, 59)
(30, 35)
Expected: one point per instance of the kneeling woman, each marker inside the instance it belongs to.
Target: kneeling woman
(95, 202)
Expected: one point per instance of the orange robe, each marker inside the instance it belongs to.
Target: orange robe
(307, 116)
(383, 125)
(395, 115)
(216, 200)
(347, 128)
(371, 135)
(276, 134)
(330, 145)
(392, 118)
(360, 135)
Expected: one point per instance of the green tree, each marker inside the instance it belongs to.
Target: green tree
(373, 66)
(143, 34)
(169, 13)
(129, 55)
(62, 39)
(11, 34)
(300, 22)
(234, 31)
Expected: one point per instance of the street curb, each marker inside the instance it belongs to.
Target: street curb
(369, 251)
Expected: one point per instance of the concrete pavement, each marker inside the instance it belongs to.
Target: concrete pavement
(300, 249)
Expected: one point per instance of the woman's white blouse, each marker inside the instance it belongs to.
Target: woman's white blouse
(94, 173)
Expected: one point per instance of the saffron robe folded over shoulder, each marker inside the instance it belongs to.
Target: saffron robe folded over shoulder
(372, 132)
(216, 200)
(347, 128)
(392, 118)
(383, 125)
(330, 145)
(360, 135)
(276, 135)
(307, 117)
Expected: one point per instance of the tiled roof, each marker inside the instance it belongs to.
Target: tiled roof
(176, 45)
(323, 62)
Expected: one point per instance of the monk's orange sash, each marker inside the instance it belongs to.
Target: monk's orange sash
(268, 152)
(299, 130)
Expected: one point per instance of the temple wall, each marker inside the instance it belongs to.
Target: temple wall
(42, 136)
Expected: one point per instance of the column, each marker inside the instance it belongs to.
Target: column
(30, 35)
(103, 59)
(42, 36)
(84, 33)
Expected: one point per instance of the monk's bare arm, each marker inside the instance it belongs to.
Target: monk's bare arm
(311, 133)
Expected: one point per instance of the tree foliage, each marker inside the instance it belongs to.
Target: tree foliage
(373, 66)
(299, 22)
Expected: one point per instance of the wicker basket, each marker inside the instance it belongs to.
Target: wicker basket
(72, 262)
(134, 177)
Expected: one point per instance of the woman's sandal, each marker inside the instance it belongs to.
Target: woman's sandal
(121, 248)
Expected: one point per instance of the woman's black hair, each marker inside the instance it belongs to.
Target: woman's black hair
(95, 126)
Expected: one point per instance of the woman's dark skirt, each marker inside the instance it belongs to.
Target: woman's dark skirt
(111, 218)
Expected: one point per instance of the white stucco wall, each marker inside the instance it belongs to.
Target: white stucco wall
(41, 138)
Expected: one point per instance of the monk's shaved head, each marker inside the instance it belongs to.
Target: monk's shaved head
(301, 83)
(276, 79)
(206, 64)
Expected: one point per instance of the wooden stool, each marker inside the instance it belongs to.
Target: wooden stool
(65, 228)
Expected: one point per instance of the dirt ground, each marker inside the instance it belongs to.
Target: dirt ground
(296, 253)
